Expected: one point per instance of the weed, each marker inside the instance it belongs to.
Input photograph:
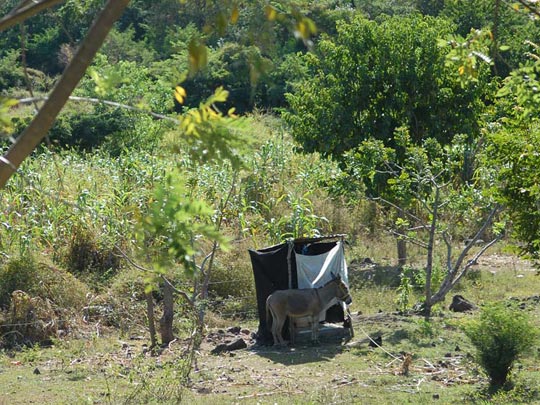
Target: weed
(501, 335)
(426, 329)
(404, 294)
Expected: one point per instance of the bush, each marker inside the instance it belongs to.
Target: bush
(39, 300)
(500, 334)
(17, 274)
(90, 258)
(40, 279)
(11, 73)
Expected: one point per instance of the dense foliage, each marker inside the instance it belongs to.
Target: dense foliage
(374, 77)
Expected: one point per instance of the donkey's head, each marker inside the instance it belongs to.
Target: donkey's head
(342, 291)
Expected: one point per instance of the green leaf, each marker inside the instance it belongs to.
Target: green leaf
(198, 55)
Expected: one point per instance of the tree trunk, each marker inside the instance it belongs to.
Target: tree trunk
(151, 321)
(402, 252)
(401, 242)
(166, 321)
(428, 303)
(43, 121)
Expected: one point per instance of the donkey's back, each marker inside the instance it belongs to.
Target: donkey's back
(294, 303)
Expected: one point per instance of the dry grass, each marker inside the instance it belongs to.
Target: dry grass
(418, 362)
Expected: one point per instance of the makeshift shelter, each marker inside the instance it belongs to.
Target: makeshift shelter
(299, 263)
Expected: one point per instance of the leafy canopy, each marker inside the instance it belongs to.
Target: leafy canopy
(375, 77)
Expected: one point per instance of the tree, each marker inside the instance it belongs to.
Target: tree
(428, 176)
(376, 77)
(511, 159)
(373, 78)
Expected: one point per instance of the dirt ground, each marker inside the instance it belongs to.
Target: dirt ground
(416, 362)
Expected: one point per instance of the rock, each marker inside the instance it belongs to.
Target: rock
(376, 342)
(235, 330)
(235, 345)
(367, 261)
(460, 304)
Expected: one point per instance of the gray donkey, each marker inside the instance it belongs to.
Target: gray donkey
(305, 302)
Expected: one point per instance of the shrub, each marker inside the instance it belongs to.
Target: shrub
(500, 334)
(40, 279)
(88, 257)
(39, 300)
(17, 274)
(11, 73)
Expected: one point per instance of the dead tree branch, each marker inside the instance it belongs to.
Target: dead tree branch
(106, 102)
(25, 10)
(43, 121)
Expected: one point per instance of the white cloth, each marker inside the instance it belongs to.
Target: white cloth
(316, 271)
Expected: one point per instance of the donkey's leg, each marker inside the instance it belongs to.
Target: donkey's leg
(292, 331)
(280, 321)
(274, 327)
(315, 329)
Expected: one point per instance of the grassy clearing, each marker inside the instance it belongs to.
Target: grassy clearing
(115, 369)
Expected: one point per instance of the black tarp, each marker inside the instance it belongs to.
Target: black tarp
(271, 273)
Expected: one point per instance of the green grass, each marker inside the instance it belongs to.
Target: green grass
(113, 370)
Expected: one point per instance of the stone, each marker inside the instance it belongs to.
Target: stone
(460, 304)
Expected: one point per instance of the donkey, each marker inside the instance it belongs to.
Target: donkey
(305, 302)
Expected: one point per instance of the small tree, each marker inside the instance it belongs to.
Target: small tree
(429, 178)
(501, 335)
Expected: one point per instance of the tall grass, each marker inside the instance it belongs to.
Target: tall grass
(73, 208)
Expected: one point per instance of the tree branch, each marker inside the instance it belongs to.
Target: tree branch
(165, 280)
(30, 100)
(486, 223)
(475, 258)
(24, 11)
(532, 8)
(43, 121)
(448, 251)
(398, 208)
(410, 239)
